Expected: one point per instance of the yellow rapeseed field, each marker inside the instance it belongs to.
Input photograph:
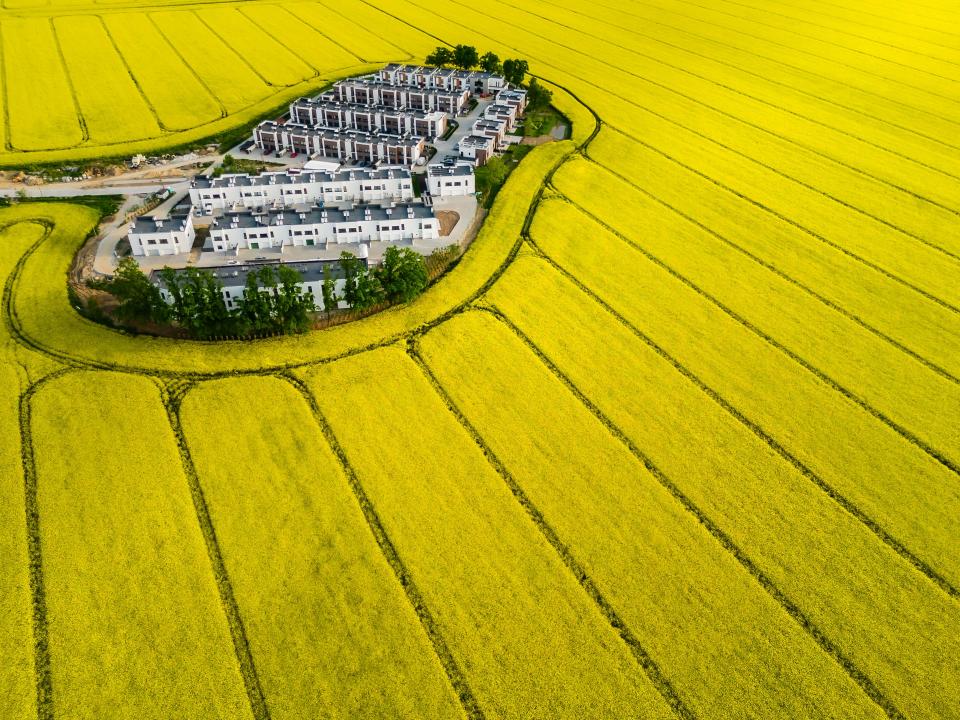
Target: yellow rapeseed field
(676, 437)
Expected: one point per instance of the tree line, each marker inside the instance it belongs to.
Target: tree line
(514, 71)
(273, 300)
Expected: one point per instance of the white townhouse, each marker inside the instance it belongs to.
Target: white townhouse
(478, 148)
(400, 223)
(368, 118)
(234, 279)
(372, 91)
(513, 96)
(345, 145)
(443, 78)
(494, 129)
(505, 113)
(150, 236)
(296, 187)
(451, 181)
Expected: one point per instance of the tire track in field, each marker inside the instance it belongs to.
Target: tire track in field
(316, 71)
(789, 48)
(737, 68)
(295, 18)
(792, 19)
(745, 51)
(223, 108)
(38, 593)
(901, 430)
(930, 365)
(4, 97)
(579, 572)
(818, 636)
(794, 223)
(431, 627)
(172, 394)
(85, 133)
(899, 21)
(845, 48)
(133, 78)
(895, 19)
(762, 129)
(234, 51)
(757, 429)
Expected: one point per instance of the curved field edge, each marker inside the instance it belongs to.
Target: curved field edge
(192, 136)
(40, 316)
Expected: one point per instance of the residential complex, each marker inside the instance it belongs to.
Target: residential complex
(150, 236)
(314, 112)
(344, 145)
(296, 187)
(453, 181)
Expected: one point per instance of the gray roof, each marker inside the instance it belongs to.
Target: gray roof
(455, 170)
(314, 215)
(148, 223)
(337, 133)
(326, 104)
(236, 275)
(307, 176)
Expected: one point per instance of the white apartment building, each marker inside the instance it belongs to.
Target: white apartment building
(478, 148)
(513, 96)
(373, 91)
(344, 145)
(451, 181)
(401, 223)
(443, 78)
(508, 114)
(496, 130)
(300, 187)
(150, 236)
(234, 279)
(368, 118)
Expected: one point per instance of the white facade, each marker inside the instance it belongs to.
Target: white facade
(332, 114)
(478, 148)
(150, 236)
(342, 144)
(319, 227)
(283, 189)
(451, 181)
(444, 78)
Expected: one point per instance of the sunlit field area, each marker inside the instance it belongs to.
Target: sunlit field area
(677, 438)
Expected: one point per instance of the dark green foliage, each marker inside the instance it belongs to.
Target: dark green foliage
(538, 97)
(489, 62)
(198, 303)
(440, 57)
(329, 289)
(514, 71)
(138, 298)
(402, 275)
(465, 57)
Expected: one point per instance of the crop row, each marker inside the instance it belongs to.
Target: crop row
(851, 592)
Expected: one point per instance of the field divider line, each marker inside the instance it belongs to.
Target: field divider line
(836, 307)
(317, 72)
(243, 59)
(430, 625)
(760, 128)
(579, 572)
(203, 83)
(38, 594)
(904, 432)
(296, 18)
(133, 78)
(789, 48)
(172, 396)
(845, 48)
(848, 505)
(4, 94)
(734, 90)
(81, 120)
(894, 19)
(744, 51)
(410, 55)
(726, 542)
(823, 377)
(794, 20)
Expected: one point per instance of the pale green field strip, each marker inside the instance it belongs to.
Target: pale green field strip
(888, 380)
(17, 680)
(527, 637)
(179, 98)
(632, 535)
(230, 79)
(334, 22)
(920, 57)
(879, 164)
(318, 50)
(925, 327)
(112, 107)
(777, 108)
(31, 59)
(887, 619)
(136, 625)
(887, 123)
(270, 59)
(926, 51)
(841, 84)
(371, 17)
(330, 630)
(863, 459)
(860, 457)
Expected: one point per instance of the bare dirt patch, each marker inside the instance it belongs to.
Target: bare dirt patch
(448, 221)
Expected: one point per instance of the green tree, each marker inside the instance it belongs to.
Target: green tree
(293, 304)
(369, 290)
(489, 62)
(255, 305)
(440, 57)
(329, 289)
(496, 171)
(538, 97)
(402, 275)
(465, 57)
(198, 303)
(514, 71)
(351, 271)
(138, 298)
